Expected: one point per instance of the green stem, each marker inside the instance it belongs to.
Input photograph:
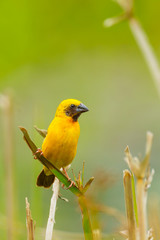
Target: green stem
(85, 218)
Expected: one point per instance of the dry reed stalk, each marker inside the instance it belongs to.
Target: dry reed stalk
(97, 234)
(29, 222)
(141, 207)
(127, 181)
(51, 219)
(144, 176)
(7, 107)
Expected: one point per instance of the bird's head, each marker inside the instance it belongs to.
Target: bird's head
(71, 108)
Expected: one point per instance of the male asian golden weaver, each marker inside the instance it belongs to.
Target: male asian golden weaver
(60, 144)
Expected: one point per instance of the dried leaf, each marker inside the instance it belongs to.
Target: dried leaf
(42, 132)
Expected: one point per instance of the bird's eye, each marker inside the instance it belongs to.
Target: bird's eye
(72, 105)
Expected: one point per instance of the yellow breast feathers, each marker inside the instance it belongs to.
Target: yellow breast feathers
(60, 144)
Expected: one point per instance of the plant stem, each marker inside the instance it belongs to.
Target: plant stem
(141, 204)
(51, 219)
(147, 50)
(7, 106)
(134, 199)
(85, 218)
(127, 180)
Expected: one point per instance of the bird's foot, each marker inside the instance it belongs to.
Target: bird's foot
(66, 174)
(72, 184)
(38, 151)
(69, 179)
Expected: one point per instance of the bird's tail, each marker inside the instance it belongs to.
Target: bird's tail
(45, 181)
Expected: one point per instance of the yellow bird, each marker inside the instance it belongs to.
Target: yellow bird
(60, 143)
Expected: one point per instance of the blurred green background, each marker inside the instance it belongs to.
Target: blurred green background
(53, 50)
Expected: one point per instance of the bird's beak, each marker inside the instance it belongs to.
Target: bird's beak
(82, 108)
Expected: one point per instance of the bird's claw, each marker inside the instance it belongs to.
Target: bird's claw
(71, 184)
(38, 151)
(69, 180)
